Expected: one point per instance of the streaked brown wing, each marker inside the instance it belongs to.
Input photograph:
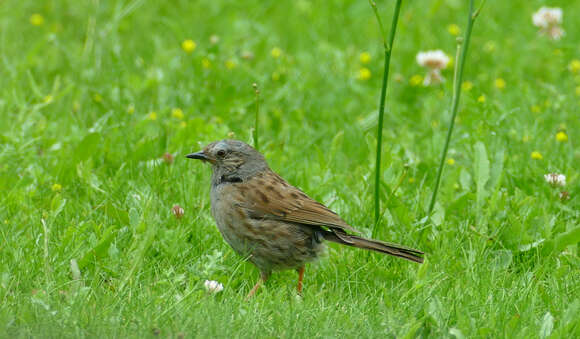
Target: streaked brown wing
(269, 196)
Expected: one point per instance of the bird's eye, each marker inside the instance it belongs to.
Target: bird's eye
(221, 153)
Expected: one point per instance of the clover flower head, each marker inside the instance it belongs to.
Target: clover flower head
(555, 179)
(213, 286)
(168, 158)
(435, 61)
(177, 211)
(549, 20)
(547, 16)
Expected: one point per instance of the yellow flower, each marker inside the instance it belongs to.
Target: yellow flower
(97, 98)
(451, 161)
(205, 63)
(230, 64)
(467, 86)
(489, 47)
(416, 80)
(36, 19)
(183, 124)
(500, 83)
(574, 66)
(131, 109)
(188, 45)
(47, 99)
(276, 52)
(535, 109)
(481, 99)
(56, 187)
(561, 136)
(152, 115)
(365, 57)
(364, 73)
(537, 155)
(177, 113)
(453, 29)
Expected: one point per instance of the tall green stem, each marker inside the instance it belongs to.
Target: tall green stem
(388, 49)
(255, 134)
(463, 45)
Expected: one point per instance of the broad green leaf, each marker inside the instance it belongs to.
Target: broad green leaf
(465, 180)
(559, 243)
(100, 248)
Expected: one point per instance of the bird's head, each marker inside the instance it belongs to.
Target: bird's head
(231, 160)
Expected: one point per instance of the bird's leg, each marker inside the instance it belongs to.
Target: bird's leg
(263, 278)
(300, 277)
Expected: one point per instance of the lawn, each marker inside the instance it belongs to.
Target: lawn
(101, 100)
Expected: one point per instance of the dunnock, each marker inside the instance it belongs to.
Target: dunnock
(272, 222)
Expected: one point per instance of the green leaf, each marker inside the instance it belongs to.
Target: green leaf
(547, 325)
(56, 205)
(116, 213)
(559, 243)
(456, 333)
(481, 172)
(502, 259)
(465, 180)
(88, 146)
(100, 249)
(496, 170)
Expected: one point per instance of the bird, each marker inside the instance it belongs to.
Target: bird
(272, 223)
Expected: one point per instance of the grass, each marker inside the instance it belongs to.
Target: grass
(82, 175)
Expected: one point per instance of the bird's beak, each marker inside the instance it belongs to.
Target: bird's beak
(198, 155)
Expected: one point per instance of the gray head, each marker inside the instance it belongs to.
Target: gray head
(231, 160)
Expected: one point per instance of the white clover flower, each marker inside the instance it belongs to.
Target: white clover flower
(435, 61)
(213, 286)
(555, 179)
(547, 16)
(549, 21)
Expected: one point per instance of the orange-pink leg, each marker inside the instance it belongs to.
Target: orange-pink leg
(300, 277)
(263, 278)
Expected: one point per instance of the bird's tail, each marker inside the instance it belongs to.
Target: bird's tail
(374, 245)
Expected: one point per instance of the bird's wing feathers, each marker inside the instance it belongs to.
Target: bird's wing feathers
(271, 197)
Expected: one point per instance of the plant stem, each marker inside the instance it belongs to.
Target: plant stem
(388, 49)
(256, 145)
(463, 45)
